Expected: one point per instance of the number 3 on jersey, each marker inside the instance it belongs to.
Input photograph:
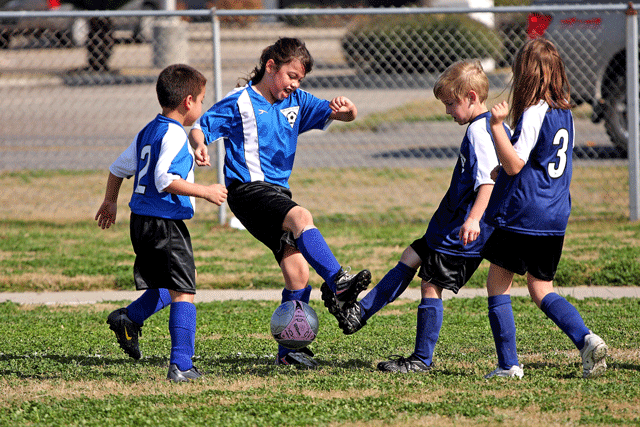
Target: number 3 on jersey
(556, 169)
(144, 156)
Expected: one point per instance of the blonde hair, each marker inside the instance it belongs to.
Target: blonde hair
(460, 78)
(538, 74)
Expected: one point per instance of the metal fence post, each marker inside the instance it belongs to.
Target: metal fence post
(633, 114)
(217, 96)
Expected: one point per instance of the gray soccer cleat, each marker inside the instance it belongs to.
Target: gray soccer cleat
(178, 376)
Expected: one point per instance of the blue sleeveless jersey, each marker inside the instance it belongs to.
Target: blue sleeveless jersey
(476, 161)
(260, 138)
(537, 201)
(158, 155)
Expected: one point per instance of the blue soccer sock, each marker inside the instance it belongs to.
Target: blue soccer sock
(503, 327)
(566, 316)
(149, 303)
(392, 285)
(430, 312)
(182, 327)
(303, 295)
(315, 250)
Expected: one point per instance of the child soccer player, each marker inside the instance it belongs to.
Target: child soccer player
(260, 123)
(449, 252)
(530, 206)
(162, 161)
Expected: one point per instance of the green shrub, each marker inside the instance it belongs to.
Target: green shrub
(417, 43)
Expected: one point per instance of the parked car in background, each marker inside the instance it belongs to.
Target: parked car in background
(593, 47)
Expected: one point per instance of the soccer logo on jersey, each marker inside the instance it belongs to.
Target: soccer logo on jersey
(291, 114)
(463, 161)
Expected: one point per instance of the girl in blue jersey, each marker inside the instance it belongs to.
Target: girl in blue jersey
(161, 160)
(449, 252)
(530, 206)
(260, 123)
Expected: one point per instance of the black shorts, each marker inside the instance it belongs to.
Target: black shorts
(524, 253)
(443, 270)
(261, 208)
(164, 256)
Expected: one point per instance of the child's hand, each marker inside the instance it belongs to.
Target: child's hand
(495, 172)
(342, 109)
(201, 154)
(341, 104)
(499, 112)
(216, 193)
(107, 214)
(469, 231)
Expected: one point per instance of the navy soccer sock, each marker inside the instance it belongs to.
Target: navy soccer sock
(149, 303)
(182, 327)
(503, 327)
(430, 312)
(315, 250)
(565, 315)
(303, 295)
(392, 285)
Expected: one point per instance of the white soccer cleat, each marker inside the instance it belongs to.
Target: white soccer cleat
(594, 353)
(512, 372)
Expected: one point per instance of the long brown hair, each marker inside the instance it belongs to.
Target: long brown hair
(282, 52)
(538, 74)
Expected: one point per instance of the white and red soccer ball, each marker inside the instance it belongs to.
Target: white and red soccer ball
(294, 324)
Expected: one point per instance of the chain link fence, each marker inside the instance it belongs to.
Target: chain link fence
(76, 88)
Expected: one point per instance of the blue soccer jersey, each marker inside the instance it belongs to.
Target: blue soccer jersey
(159, 154)
(537, 200)
(476, 161)
(261, 138)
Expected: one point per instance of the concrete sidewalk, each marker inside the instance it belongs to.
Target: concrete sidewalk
(92, 297)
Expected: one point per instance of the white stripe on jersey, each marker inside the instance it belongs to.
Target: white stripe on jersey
(251, 143)
(532, 119)
(168, 152)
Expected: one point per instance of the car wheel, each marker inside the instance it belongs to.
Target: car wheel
(5, 39)
(615, 111)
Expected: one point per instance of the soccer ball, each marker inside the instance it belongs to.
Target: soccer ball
(294, 325)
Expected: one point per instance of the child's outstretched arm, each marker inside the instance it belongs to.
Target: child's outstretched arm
(342, 109)
(509, 159)
(200, 150)
(470, 230)
(106, 215)
(215, 193)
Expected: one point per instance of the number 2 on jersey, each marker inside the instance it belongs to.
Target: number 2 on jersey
(556, 169)
(144, 156)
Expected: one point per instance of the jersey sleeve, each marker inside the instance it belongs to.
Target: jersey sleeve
(171, 151)
(530, 131)
(315, 112)
(486, 156)
(126, 164)
(215, 123)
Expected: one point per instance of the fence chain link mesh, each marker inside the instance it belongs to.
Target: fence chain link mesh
(75, 91)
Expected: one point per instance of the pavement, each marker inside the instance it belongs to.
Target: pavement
(92, 297)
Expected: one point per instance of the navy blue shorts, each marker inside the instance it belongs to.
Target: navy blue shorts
(164, 256)
(444, 270)
(261, 207)
(524, 253)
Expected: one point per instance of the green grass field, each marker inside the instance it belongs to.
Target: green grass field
(61, 365)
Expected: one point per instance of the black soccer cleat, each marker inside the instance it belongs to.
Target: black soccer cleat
(350, 319)
(301, 358)
(126, 331)
(178, 376)
(401, 365)
(349, 286)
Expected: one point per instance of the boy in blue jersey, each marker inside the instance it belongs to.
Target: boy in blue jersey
(530, 206)
(449, 252)
(161, 160)
(260, 123)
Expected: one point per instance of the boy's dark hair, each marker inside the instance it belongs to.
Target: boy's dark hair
(282, 52)
(176, 82)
